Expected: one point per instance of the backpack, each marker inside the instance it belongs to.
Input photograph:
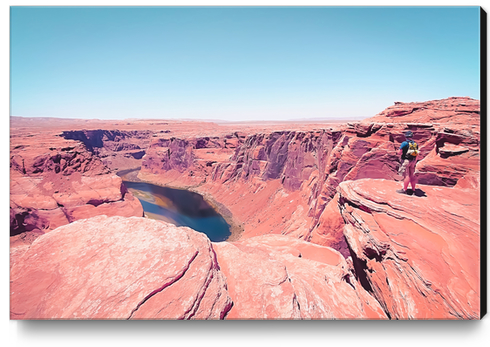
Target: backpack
(413, 149)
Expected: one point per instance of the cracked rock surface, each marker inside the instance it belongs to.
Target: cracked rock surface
(418, 255)
(281, 277)
(118, 268)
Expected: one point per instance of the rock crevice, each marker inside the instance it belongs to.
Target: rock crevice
(422, 256)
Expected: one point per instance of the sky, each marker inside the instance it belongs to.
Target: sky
(238, 63)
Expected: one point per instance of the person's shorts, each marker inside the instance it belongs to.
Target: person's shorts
(407, 168)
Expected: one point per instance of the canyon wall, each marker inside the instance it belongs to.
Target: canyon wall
(281, 182)
(319, 230)
(54, 182)
(411, 258)
(117, 149)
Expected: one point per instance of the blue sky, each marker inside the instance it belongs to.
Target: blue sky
(238, 63)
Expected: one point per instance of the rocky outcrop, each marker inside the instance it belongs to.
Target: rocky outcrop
(57, 184)
(114, 140)
(455, 154)
(453, 150)
(413, 257)
(64, 157)
(371, 253)
(330, 229)
(136, 268)
(418, 255)
(190, 160)
(41, 204)
(459, 111)
(119, 268)
(117, 149)
(279, 277)
(271, 172)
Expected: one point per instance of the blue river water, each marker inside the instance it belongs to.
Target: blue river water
(181, 208)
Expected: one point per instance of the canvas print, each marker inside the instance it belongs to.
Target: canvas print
(245, 163)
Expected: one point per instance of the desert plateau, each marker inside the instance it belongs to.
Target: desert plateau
(314, 226)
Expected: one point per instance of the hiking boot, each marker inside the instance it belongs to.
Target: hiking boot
(409, 192)
(401, 191)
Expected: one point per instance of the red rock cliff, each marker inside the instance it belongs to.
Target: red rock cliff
(54, 181)
(282, 181)
(379, 254)
(418, 255)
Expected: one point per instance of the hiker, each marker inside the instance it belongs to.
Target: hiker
(408, 152)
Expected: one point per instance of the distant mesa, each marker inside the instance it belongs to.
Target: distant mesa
(453, 110)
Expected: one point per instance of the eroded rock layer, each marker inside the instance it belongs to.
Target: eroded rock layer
(54, 181)
(117, 149)
(119, 268)
(280, 277)
(271, 180)
(419, 255)
(318, 230)
(454, 110)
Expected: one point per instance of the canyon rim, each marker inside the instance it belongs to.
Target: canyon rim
(317, 228)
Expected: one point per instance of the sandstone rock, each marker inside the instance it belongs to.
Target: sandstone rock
(419, 255)
(455, 110)
(454, 156)
(330, 229)
(55, 180)
(27, 219)
(92, 190)
(309, 166)
(188, 160)
(119, 149)
(49, 200)
(470, 180)
(63, 157)
(127, 207)
(118, 268)
(33, 201)
(279, 277)
(269, 179)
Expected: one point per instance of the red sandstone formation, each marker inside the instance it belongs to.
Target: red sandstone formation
(330, 228)
(118, 268)
(454, 148)
(54, 181)
(117, 149)
(279, 277)
(462, 111)
(419, 255)
(294, 174)
(136, 268)
(330, 184)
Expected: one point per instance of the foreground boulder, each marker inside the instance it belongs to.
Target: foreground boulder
(281, 277)
(118, 268)
(418, 255)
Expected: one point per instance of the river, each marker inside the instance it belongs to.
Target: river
(178, 206)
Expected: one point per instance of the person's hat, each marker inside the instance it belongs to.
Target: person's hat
(408, 134)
